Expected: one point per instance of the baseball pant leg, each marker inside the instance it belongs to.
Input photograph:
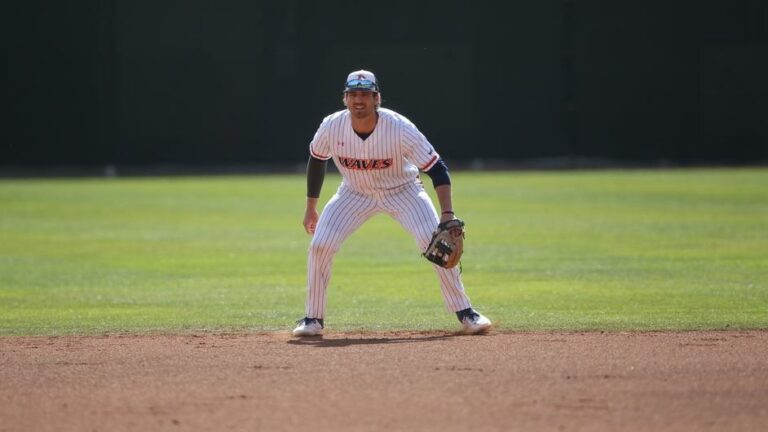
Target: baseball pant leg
(416, 213)
(343, 214)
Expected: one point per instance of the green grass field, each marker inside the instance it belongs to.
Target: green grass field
(575, 250)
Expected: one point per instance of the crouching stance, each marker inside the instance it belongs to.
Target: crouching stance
(379, 154)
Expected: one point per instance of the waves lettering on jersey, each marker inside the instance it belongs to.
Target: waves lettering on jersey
(364, 164)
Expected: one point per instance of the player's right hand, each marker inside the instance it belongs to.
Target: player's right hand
(310, 220)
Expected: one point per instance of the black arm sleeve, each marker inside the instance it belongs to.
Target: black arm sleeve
(315, 176)
(439, 173)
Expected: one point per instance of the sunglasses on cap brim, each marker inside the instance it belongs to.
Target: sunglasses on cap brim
(361, 84)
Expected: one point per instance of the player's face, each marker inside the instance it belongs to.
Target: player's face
(361, 103)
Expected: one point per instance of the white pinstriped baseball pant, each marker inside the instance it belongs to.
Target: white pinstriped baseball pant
(346, 211)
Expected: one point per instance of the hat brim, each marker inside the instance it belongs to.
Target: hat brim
(360, 89)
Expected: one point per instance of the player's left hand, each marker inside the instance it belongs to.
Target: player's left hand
(445, 217)
(447, 244)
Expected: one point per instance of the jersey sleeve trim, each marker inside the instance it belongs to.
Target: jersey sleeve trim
(430, 164)
(317, 156)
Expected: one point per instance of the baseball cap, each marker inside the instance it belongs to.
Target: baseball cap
(361, 80)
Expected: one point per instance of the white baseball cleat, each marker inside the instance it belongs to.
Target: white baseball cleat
(309, 327)
(473, 321)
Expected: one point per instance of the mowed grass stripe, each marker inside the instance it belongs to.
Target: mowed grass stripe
(575, 250)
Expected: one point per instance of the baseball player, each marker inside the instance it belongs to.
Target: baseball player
(379, 154)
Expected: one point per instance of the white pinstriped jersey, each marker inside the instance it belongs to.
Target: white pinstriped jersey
(388, 159)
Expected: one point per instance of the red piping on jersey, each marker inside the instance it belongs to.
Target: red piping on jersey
(430, 163)
(317, 156)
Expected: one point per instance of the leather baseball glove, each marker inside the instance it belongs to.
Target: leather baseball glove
(447, 244)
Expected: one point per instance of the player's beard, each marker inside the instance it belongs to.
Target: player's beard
(363, 113)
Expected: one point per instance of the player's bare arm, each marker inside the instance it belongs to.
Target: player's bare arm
(446, 205)
(315, 178)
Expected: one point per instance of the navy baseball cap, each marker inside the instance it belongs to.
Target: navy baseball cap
(361, 80)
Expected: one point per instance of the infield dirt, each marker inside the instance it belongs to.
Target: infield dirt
(387, 382)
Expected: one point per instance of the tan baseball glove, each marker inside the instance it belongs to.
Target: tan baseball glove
(447, 244)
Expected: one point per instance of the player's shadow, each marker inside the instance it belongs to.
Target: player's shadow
(320, 342)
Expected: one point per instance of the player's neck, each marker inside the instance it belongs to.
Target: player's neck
(365, 125)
